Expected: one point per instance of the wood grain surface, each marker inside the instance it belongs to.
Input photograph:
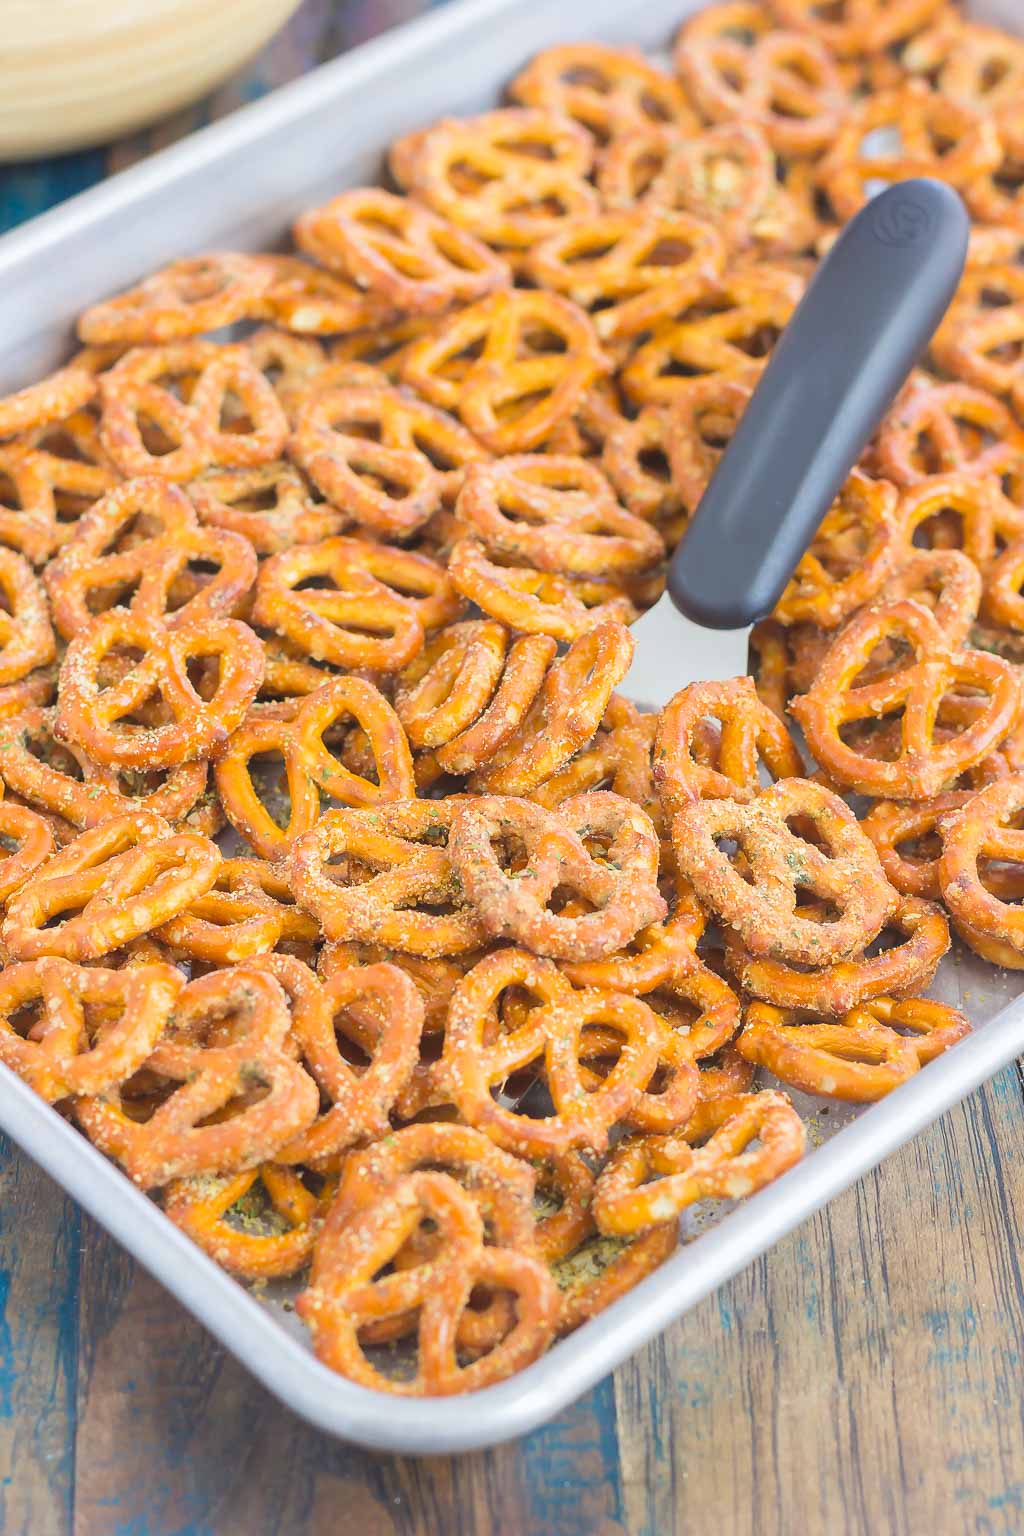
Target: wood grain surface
(865, 1377)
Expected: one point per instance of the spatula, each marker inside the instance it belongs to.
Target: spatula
(864, 321)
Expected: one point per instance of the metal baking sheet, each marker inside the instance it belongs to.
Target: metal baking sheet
(239, 184)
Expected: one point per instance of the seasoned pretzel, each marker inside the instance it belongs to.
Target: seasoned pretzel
(649, 1180)
(26, 635)
(857, 547)
(404, 844)
(785, 83)
(70, 1029)
(302, 297)
(450, 683)
(979, 340)
(635, 457)
(698, 424)
(943, 428)
(997, 195)
(843, 871)
(532, 357)
(99, 718)
(343, 1296)
(858, 1058)
(985, 829)
(510, 177)
(833, 989)
(923, 765)
(857, 26)
(121, 880)
(236, 919)
(959, 511)
(619, 884)
(46, 478)
(748, 734)
(52, 399)
(311, 769)
(536, 602)
(525, 668)
(236, 500)
(33, 843)
(251, 1247)
(137, 393)
(944, 580)
(412, 258)
(143, 538)
(608, 90)
(196, 294)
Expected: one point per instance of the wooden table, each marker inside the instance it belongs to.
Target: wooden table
(865, 1377)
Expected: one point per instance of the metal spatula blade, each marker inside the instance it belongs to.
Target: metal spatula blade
(866, 318)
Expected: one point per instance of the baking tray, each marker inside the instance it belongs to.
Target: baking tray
(239, 184)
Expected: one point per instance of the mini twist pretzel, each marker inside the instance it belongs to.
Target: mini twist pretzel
(136, 393)
(1003, 600)
(997, 196)
(310, 767)
(412, 258)
(834, 989)
(236, 500)
(944, 580)
(52, 399)
(26, 635)
(373, 614)
(526, 666)
(635, 457)
(474, 1063)
(202, 1208)
(109, 556)
(404, 846)
(555, 513)
(858, 1058)
(565, 714)
(923, 764)
(857, 547)
(344, 1296)
(699, 422)
(906, 834)
(302, 297)
(857, 26)
(985, 829)
(979, 340)
(196, 294)
(360, 1101)
(536, 602)
(960, 511)
(38, 484)
(70, 1029)
(657, 958)
(843, 871)
(785, 83)
(938, 138)
(982, 66)
(236, 919)
(947, 428)
(533, 355)
(62, 780)
(451, 682)
(373, 453)
(619, 884)
(33, 843)
(121, 879)
(749, 733)
(608, 90)
(652, 1179)
(509, 177)
(99, 718)
(629, 272)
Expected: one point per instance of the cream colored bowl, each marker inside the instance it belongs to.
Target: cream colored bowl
(77, 72)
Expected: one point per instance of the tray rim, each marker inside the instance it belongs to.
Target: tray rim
(285, 1366)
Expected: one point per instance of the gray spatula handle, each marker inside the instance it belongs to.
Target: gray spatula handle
(867, 316)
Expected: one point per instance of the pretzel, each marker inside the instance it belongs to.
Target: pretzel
(535, 602)
(698, 423)
(143, 538)
(70, 1029)
(235, 499)
(449, 684)
(586, 1294)
(411, 258)
(1003, 602)
(749, 733)
(40, 486)
(195, 294)
(649, 1180)
(564, 715)
(403, 843)
(997, 195)
(136, 394)
(26, 635)
(923, 764)
(533, 356)
(661, 957)
(608, 90)
(52, 399)
(343, 1295)
(938, 137)
(959, 511)
(983, 830)
(236, 919)
(620, 884)
(944, 580)
(311, 769)
(629, 271)
(557, 514)
(526, 665)
(784, 83)
(857, 547)
(834, 989)
(735, 322)
(302, 297)
(981, 66)
(857, 26)
(943, 428)
(122, 879)
(373, 453)
(635, 457)
(842, 869)
(860, 1057)
(99, 719)
(33, 843)
(509, 177)
(980, 337)
(249, 1247)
